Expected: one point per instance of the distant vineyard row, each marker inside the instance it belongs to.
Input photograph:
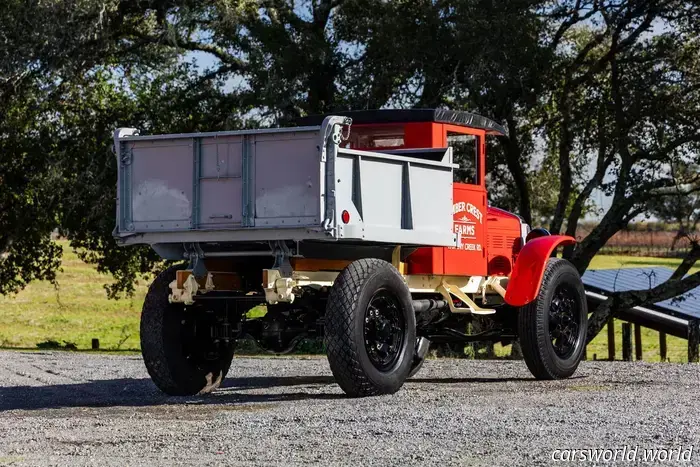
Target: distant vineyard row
(636, 242)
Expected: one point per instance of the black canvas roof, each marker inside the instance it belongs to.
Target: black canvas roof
(454, 117)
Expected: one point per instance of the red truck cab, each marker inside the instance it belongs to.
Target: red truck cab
(489, 239)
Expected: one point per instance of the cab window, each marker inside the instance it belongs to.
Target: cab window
(465, 152)
(383, 136)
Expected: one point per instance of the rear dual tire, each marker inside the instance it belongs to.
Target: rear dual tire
(174, 359)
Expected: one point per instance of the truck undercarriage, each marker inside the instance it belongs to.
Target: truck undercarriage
(280, 327)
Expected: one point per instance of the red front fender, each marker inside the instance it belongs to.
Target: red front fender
(525, 281)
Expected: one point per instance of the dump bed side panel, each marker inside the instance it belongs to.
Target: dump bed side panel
(394, 198)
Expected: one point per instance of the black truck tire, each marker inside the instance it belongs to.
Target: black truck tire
(172, 362)
(552, 329)
(370, 329)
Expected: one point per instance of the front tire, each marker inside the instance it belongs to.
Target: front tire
(370, 329)
(553, 327)
(179, 360)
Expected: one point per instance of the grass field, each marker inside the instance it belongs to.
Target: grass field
(73, 312)
(77, 310)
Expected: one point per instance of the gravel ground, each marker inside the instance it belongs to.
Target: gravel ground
(92, 409)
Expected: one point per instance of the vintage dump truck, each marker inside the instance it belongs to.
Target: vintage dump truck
(349, 227)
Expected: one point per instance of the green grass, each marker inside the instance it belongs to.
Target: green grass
(77, 310)
(615, 262)
(677, 348)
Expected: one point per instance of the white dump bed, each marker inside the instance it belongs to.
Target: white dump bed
(279, 184)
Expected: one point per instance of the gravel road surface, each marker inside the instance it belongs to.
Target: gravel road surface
(92, 409)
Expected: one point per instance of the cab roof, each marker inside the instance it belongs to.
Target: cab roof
(453, 117)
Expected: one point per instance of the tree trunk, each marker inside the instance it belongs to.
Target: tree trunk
(565, 181)
(513, 154)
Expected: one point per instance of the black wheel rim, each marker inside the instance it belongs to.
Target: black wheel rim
(564, 321)
(383, 330)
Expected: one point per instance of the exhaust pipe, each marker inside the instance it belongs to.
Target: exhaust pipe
(421, 306)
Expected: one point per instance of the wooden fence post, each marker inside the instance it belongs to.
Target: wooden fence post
(662, 346)
(638, 352)
(611, 339)
(627, 342)
(693, 340)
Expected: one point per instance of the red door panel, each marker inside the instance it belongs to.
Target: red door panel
(469, 201)
(469, 208)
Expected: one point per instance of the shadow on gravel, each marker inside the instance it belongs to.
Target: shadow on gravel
(466, 380)
(130, 392)
(272, 381)
(254, 382)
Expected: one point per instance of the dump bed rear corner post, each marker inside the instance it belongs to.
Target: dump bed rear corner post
(332, 136)
(693, 341)
(123, 155)
(357, 184)
(406, 207)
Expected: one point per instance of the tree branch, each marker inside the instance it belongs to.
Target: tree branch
(573, 18)
(513, 154)
(187, 44)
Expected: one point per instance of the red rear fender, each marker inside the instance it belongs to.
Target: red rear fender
(525, 281)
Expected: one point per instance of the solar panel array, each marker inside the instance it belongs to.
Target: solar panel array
(620, 280)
